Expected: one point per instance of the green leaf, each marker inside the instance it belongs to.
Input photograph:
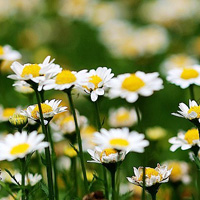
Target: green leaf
(7, 188)
(44, 162)
(13, 177)
(44, 188)
(19, 194)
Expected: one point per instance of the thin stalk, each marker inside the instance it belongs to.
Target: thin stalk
(23, 173)
(79, 140)
(74, 175)
(153, 196)
(191, 87)
(198, 182)
(47, 151)
(53, 158)
(113, 185)
(98, 121)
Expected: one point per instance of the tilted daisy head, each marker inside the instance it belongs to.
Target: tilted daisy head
(49, 109)
(122, 117)
(130, 86)
(184, 77)
(34, 74)
(185, 140)
(152, 176)
(20, 144)
(7, 53)
(97, 82)
(191, 113)
(66, 79)
(121, 139)
(180, 171)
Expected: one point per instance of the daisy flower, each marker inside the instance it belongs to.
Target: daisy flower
(30, 179)
(184, 77)
(97, 82)
(180, 171)
(23, 87)
(20, 144)
(121, 139)
(35, 73)
(122, 117)
(130, 86)
(7, 53)
(191, 113)
(185, 140)
(5, 113)
(152, 176)
(65, 80)
(49, 109)
(105, 156)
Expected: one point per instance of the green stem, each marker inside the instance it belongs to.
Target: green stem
(47, 151)
(198, 182)
(23, 173)
(153, 196)
(191, 87)
(98, 121)
(74, 175)
(113, 185)
(79, 139)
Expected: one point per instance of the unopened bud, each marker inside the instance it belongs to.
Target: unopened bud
(18, 120)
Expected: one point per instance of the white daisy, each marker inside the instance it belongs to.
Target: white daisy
(20, 144)
(130, 86)
(152, 176)
(65, 80)
(35, 73)
(5, 113)
(23, 87)
(122, 117)
(180, 171)
(192, 112)
(30, 179)
(185, 77)
(121, 139)
(97, 82)
(49, 109)
(7, 53)
(107, 155)
(185, 140)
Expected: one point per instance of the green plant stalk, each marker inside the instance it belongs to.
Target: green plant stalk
(113, 184)
(23, 173)
(99, 127)
(153, 196)
(191, 88)
(47, 151)
(79, 139)
(74, 175)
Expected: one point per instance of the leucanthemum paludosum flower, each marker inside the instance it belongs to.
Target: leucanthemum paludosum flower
(20, 144)
(30, 179)
(153, 177)
(184, 77)
(180, 171)
(130, 86)
(5, 113)
(35, 73)
(65, 80)
(122, 117)
(7, 53)
(121, 139)
(185, 140)
(191, 113)
(49, 109)
(97, 81)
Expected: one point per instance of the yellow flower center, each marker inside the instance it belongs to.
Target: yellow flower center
(70, 152)
(107, 152)
(7, 112)
(45, 109)
(132, 83)
(88, 130)
(149, 172)
(1, 50)
(95, 79)
(189, 73)
(67, 120)
(123, 116)
(119, 142)
(65, 77)
(192, 134)
(19, 149)
(180, 61)
(176, 170)
(195, 109)
(33, 69)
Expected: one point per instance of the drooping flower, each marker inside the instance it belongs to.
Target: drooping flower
(49, 109)
(185, 140)
(97, 81)
(23, 87)
(121, 139)
(152, 176)
(21, 144)
(184, 77)
(122, 117)
(130, 86)
(7, 53)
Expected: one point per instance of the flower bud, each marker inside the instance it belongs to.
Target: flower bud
(17, 120)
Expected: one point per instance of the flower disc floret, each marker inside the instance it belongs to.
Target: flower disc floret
(192, 134)
(31, 69)
(65, 77)
(45, 109)
(189, 73)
